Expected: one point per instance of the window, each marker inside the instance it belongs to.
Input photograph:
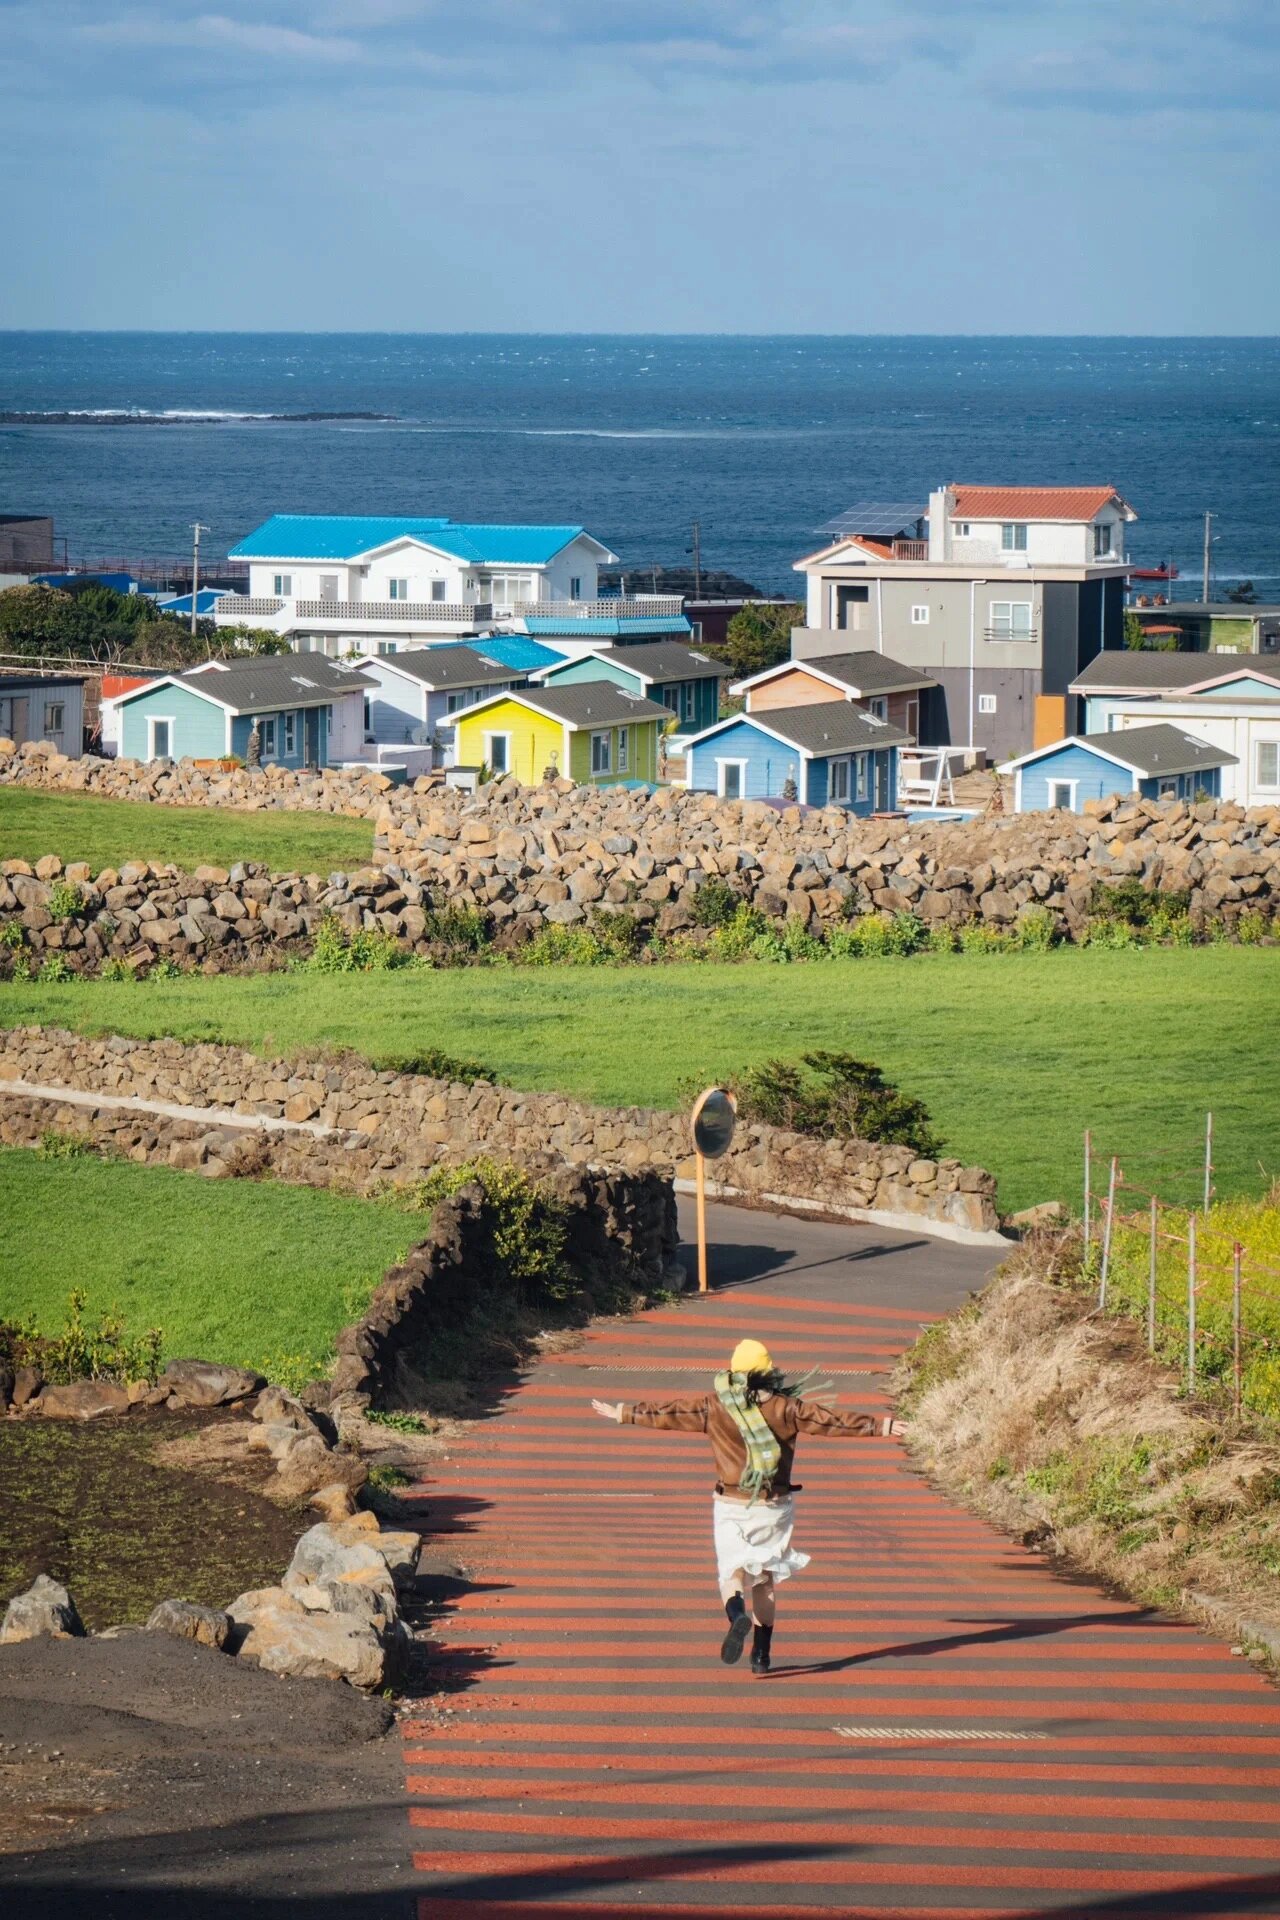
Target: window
(1013, 537)
(290, 732)
(878, 707)
(1267, 763)
(601, 752)
(54, 717)
(328, 586)
(267, 729)
(283, 588)
(438, 589)
(862, 776)
(671, 698)
(838, 786)
(688, 700)
(499, 750)
(398, 589)
(160, 744)
(1010, 620)
(731, 778)
(1062, 796)
(368, 719)
(509, 589)
(464, 697)
(919, 616)
(575, 587)
(386, 646)
(986, 703)
(1102, 539)
(624, 748)
(960, 529)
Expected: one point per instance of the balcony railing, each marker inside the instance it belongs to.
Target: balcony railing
(646, 607)
(238, 606)
(910, 549)
(1011, 633)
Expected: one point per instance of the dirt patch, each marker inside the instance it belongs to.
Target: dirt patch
(128, 1512)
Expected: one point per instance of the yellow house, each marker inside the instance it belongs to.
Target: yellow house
(594, 734)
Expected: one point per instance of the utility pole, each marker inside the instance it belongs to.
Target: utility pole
(197, 529)
(696, 551)
(1208, 543)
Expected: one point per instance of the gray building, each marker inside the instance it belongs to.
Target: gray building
(43, 706)
(26, 542)
(1001, 594)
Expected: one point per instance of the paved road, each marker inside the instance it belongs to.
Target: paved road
(950, 1729)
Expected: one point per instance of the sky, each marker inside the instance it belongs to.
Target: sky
(740, 166)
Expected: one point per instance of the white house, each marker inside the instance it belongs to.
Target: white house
(1230, 701)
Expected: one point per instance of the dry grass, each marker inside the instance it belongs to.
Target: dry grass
(1061, 1429)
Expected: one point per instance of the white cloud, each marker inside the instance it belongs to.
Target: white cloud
(220, 30)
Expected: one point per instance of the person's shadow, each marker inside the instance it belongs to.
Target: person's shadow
(984, 1636)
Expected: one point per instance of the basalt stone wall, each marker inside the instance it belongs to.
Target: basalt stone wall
(354, 1125)
(181, 783)
(529, 858)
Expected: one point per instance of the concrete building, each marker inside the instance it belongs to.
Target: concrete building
(26, 542)
(1000, 594)
(43, 706)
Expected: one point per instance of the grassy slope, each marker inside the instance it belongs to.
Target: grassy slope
(1015, 1055)
(106, 833)
(235, 1270)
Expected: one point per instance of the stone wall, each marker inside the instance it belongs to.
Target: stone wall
(341, 1121)
(180, 783)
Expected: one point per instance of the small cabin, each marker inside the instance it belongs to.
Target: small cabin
(679, 678)
(1159, 762)
(828, 754)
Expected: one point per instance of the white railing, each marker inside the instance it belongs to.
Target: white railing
(235, 606)
(468, 612)
(652, 607)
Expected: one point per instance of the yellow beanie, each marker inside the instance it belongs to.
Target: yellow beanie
(750, 1356)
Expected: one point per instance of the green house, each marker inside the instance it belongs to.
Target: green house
(308, 712)
(679, 678)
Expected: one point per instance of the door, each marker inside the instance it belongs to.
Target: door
(311, 736)
(911, 723)
(852, 607)
(881, 762)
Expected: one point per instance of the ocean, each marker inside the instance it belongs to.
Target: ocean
(761, 440)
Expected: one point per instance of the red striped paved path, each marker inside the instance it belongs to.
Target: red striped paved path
(602, 1763)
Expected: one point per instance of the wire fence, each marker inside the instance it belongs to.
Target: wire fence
(1201, 1276)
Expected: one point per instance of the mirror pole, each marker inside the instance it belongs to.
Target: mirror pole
(701, 1171)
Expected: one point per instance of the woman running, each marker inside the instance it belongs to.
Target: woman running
(752, 1419)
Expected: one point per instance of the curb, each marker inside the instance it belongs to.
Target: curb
(863, 1216)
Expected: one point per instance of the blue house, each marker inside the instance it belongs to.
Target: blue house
(309, 713)
(1159, 762)
(832, 752)
(681, 679)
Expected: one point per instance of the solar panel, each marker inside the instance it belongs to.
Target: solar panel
(880, 519)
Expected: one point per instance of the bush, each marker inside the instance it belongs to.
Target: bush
(1129, 901)
(461, 929)
(117, 970)
(527, 1225)
(433, 1063)
(55, 1145)
(65, 898)
(367, 950)
(840, 1097)
(715, 902)
(57, 971)
(98, 1349)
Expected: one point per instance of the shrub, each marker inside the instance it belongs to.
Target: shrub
(906, 934)
(398, 1423)
(619, 934)
(1128, 900)
(840, 1097)
(433, 1063)
(65, 898)
(715, 902)
(98, 1349)
(528, 1227)
(1037, 930)
(12, 935)
(57, 971)
(1252, 927)
(735, 938)
(462, 929)
(367, 950)
(55, 1145)
(165, 968)
(800, 944)
(117, 970)
(979, 936)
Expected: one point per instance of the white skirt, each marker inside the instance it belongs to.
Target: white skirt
(756, 1539)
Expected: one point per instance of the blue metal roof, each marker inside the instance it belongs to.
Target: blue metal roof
(343, 536)
(609, 629)
(180, 603)
(515, 651)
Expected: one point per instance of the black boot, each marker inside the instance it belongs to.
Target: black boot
(761, 1642)
(739, 1627)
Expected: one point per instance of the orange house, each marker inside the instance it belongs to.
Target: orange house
(882, 687)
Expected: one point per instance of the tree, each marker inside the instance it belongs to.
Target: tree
(757, 637)
(259, 640)
(1135, 634)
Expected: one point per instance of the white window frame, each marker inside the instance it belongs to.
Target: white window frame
(688, 701)
(986, 703)
(439, 589)
(919, 616)
(508, 590)
(283, 588)
(1259, 748)
(169, 720)
(490, 762)
(52, 732)
(605, 734)
(397, 588)
(1013, 536)
(843, 766)
(862, 776)
(722, 767)
(1057, 786)
(878, 706)
(1107, 535)
(289, 736)
(1012, 633)
(624, 749)
(960, 529)
(329, 583)
(267, 730)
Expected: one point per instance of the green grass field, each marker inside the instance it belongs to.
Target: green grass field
(1015, 1055)
(106, 833)
(239, 1271)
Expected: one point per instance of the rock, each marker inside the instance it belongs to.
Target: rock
(27, 1382)
(323, 1557)
(334, 1501)
(200, 1383)
(207, 1626)
(309, 1467)
(83, 1400)
(275, 1406)
(278, 1633)
(1049, 1213)
(45, 1611)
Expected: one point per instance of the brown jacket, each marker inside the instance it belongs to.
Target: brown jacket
(786, 1418)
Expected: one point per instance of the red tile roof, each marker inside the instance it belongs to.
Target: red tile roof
(1033, 503)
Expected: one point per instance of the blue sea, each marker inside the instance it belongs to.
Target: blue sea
(760, 439)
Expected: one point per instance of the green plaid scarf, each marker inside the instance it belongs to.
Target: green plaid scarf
(763, 1452)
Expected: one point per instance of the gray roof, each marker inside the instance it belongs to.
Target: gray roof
(1123, 671)
(867, 672)
(36, 682)
(829, 726)
(274, 681)
(658, 660)
(452, 666)
(593, 703)
(1159, 749)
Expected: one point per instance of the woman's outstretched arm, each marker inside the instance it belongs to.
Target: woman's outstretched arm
(670, 1416)
(810, 1418)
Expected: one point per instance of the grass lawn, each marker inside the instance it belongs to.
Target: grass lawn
(1015, 1055)
(106, 833)
(239, 1271)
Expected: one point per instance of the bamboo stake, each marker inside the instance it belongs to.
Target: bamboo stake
(1106, 1235)
(1088, 1151)
(1191, 1303)
(1151, 1280)
(1236, 1253)
(1208, 1158)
